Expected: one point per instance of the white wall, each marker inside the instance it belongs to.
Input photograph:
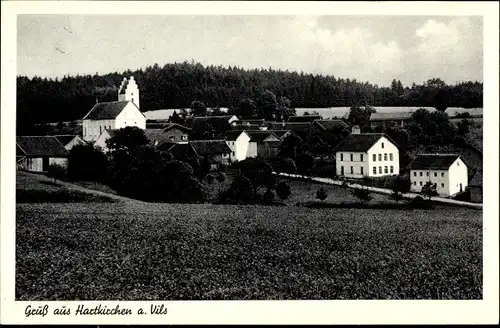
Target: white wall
(92, 129)
(383, 148)
(252, 150)
(76, 141)
(131, 92)
(34, 164)
(239, 147)
(458, 175)
(130, 116)
(101, 141)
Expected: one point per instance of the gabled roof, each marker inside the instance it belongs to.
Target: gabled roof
(177, 149)
(304, 118)
(41, 146)
(295, 127)
(330, 125)
(156, 136)
(210, 147)
(176, 126)
(66, 138)
(107, 110)
(477, 180)
(280, 133)
(360, 142)
(241, 127)
(259, 136)
(390, 116)
(433, 161)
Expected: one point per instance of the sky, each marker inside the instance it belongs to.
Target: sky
(375, 49)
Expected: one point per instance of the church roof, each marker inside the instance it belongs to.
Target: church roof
(107, 110)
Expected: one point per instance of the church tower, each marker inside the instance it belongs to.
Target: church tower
(129, 91)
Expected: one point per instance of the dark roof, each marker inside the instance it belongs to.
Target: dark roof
(433, 161)
(477, 180)
(106, 110)
(177, 149)
(259, 136)
(304, 118)
(210, 147)
(41, 146)
(244, 121)
(361, 142)
(176, 126)
(280, 133)
(295, 127)
(233, 134)
(217, 122)
(241, 127)
(65, 138)
(156, 136)
(330, 125)
(390, 116)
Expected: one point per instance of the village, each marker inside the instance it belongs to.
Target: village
(222, 138)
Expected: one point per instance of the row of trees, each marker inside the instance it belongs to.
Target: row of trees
(176, 85)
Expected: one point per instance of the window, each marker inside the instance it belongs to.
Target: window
(233, 153)
(341, 170)
(421, 173)
(435, 185)
(420, 182)
(385, 157)
(442, 185)
(382, 145)
(390, 157)
(414, 173)
(442, 174)
(172, 138)
(435, 174)
(341, 157)
(362, 171)
(427, 173)
(352, 169)
(352, 159)
(385, 170)
(361, 157)
(374, 170)
(392, 169)
(414, 183)
(379, 157)
(380, 169)
(184, 137)
(374, 157)
(458, 163)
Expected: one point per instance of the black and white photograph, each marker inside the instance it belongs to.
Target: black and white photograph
(165, 157)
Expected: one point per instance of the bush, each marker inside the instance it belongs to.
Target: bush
(289, 166)
(326, 170)
(56, 171)
(283, 190)
(221, 177)
(241, 189)
(420, 203)
(86, 163)
(210, 178)
(269, 196)
(362, 194)
(321, 194)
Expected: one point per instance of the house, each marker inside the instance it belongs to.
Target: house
(179, 151)
(170, 133)
(301, 129)
(476, 188)
(115, 114)
(163, 114)
(387, 119)
(304, 118)
(70, 140)
(36, 153)
(282, 134)
(366, 155)
(239, 144)
(266, 143)
(448, 172)
(100, 143)
(207, 127)
(217, 151)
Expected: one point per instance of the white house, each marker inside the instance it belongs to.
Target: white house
(366, 155)
(447, 172)
(101, 140)
(116, 114)
(239, 143)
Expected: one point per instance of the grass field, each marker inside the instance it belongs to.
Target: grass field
(37, 188)
(127, 251)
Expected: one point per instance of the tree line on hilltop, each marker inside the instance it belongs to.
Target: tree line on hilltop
(177, 85)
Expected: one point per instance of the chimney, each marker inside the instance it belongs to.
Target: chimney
(356, 129)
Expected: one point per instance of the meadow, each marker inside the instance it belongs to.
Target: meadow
(139, 251)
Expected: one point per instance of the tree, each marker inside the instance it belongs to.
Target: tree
(291, 147)
(400, 136)
(429, 190)
(269, 195)
(86, 163)
(362, 194)
(359, 116)
(396, 196)
(268, 105)
(198, 108)
(285, 109)
(321, 194)
(221, 177)
(283, 190)
(258, 171)
(289, 166)
(441, 100)
(127, 139)
(463, 127)
(241, 188)
(56, 171)
(176, 118)
(401, 185)
(246, 108)
(305, 163)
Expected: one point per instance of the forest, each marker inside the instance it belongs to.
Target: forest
(177, 85)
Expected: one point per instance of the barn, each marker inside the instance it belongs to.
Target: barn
(36, 153)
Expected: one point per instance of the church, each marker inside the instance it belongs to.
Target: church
(115, 114)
